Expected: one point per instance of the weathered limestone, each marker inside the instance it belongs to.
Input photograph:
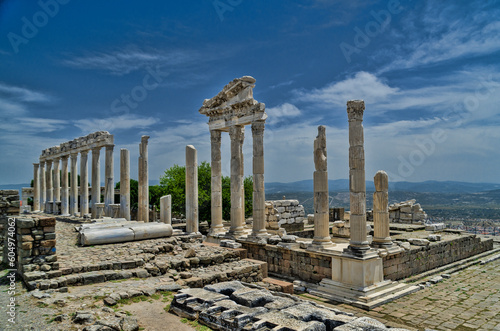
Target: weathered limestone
(358, 244)
(407, 212)
(321, 206)
(56, 177)
(64, 189)
(381, 235)
(125, 184)
(48, 186)
(216, 184)
(109, 187)
(166, 209)
(96, 180)
(259, 196)
(143, 208)
(73, 196)
(43, 192)
(84, 183)
(191, 190)
(237, 135)
(230, 110)
(124, 233)
(36, 188)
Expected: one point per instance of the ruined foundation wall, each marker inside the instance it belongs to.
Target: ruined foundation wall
(9, 206)
(421, 259)
(295, 263)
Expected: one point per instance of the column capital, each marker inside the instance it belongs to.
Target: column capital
(381, 181)
(48, 162)
(355, 109)
(258, 127)
(36, 165)
(144, 139)
(64, 157)
(96, 150)
(73, 154)
(110, 147)
(85, 152)
(215, 136)
(56, 158)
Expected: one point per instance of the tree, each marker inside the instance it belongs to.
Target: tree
(173, 182)
(134, 193)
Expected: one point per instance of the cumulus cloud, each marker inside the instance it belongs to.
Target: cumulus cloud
(123, 122)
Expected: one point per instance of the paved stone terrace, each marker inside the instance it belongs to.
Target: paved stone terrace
(469, 300)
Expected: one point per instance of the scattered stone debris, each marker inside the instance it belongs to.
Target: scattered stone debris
(407, 212)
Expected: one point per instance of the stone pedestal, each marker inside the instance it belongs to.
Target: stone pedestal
(36, 188)
(96, 180)
(48, 186)
(358, 244)
(64, 190)
(73, 195)
(43, 192)
(191, 190)
(84, 184)
(143, 207)
(259, 196)
(237, 135)
(322, 237)
(125, 184)
(166, 209)
(109, 187)
(381, 235)
(216, 184)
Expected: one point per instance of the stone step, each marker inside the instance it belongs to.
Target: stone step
(246, 270)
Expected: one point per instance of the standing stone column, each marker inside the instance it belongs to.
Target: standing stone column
(125, 184)
(64, 191)
(48, 185)
(191, 190)
(109, 189)
(237, 135)
(321, 205)
(381, 235)
(73, 195)
(84, 184)
(42, 186)
(36, 188)
(57, 182)
(216, 185)
(166, 209)
(259, 196)
(358, 243)
(96, 180)
(143, 208)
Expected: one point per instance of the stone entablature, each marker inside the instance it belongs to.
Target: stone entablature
(234, 105)
(94, 140)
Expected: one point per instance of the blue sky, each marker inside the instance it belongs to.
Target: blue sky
(429, 72)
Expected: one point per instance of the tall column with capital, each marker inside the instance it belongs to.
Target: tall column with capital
(125, 184)
(191, 190)
(36, 188)
(64, 183)
(48, 185)
(96, 180)
(216, 184)
(321, 206)
(381, 234)
(237, 135)
(259, 196)
(56, 182)
(109, 189)
(84, 183)
(73, 193)
(358, 244)
(143, 208)
(43, 192)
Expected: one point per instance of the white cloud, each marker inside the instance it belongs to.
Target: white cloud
(363, 85)
(279, 113)
(22, 94)
(123, 122)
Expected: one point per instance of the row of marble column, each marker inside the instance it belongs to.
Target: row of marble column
(51, 188)
(237, 135)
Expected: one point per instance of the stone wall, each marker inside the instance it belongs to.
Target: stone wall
(292, 263)
(287, 214)
(36, 247)
(408, 212)
(436, 254)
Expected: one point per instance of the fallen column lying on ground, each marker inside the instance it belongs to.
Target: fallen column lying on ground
(123, 233)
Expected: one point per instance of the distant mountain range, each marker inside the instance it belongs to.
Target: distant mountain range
(431, 186)
(342, 185)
